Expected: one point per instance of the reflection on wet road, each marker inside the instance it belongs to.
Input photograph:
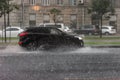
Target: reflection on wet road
(80, 64)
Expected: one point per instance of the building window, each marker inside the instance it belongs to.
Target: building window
(32, 2)
(59, 2)
(73, 17)
(73, 21)
(46, 18)
(73, 2)
(32, 19)
(45, 2)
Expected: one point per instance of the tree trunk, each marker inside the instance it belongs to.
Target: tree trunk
(100, 26)
(5, 26)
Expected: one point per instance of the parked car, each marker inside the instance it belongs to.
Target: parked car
(47, 37)
(88, 29)
(11, 31)
(107, 30)
(57, 25)
(67, 29)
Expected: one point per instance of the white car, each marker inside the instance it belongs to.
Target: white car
(108, 30)
(67, 29)
(11, 32)
(57, 25)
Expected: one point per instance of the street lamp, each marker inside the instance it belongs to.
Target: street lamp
(36, 8)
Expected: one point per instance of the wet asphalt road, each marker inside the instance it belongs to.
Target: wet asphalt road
(80, 64)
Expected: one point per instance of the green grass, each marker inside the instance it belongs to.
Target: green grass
(105, 40)
(103, 43)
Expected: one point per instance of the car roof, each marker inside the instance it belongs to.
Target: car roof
(107, 26)
(50, 23)
(13, 27)
(40, 27)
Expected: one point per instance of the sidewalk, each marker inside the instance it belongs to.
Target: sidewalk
(3, 46)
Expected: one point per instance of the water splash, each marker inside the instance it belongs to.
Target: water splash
(16, 50)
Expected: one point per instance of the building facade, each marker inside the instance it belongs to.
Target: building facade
(34, 12)
(73, 13)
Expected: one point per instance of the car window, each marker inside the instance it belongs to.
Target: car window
(41, 25)
(113, 28)
(87, 27)
(55, 31)
(58, 26)
(8, 29)
(38, 30)
(104, 28)
(12, 29)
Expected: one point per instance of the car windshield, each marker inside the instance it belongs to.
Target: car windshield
(59, 39)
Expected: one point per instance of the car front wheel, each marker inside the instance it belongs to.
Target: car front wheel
(106, 33)
(81, 43)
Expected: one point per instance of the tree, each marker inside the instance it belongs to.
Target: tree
(101, 7)
(6, 8)
(55, 12)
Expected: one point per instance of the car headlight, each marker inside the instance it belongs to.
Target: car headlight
(80, 38)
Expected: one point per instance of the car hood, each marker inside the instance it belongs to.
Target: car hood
(77, 36)
(74, 34)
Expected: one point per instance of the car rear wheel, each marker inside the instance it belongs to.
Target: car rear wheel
(90, 34)
(43, 44)
(31, 46)
(106, 33)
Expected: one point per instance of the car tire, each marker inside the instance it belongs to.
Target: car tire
(89, 34)
(43, 44)
(106, 33)
(81, 43)
(32, 46)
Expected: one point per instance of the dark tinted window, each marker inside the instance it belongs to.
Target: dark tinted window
(87, 27)
(104, 28)
(113, 28)
(55, 31)
(38, 30)
(57, 26)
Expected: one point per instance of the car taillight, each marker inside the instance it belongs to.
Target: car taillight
(19, 43)
(23, 34)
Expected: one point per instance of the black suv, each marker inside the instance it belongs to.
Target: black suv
(47, 37)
